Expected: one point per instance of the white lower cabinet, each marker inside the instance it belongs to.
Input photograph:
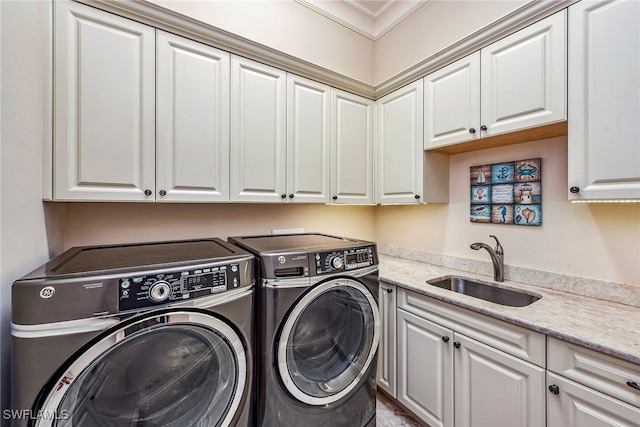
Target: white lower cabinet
(447, 378)
(575, 405)
(495, 389)
(590, 389)
(425, 369)
(386, 376)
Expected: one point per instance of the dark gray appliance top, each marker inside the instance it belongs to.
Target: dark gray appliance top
(295, 242)
(88, 260)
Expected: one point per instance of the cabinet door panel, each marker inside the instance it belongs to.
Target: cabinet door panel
(104, 87)
(580, 406)
(523, 79)
(495, 389)
(258, 131)
(193, 121)
(604, 96)
(400, 146)
(425, 369)
(351, 148)
(452, 103)
(387, 349)
(308, 140)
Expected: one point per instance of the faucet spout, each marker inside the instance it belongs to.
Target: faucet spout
(497, 257)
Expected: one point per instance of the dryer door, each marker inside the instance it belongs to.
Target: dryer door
(328, 341)
(176, 368)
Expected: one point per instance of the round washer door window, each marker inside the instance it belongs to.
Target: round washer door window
(329, 341)
(177, 369)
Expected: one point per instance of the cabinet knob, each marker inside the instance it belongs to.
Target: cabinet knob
(445, 338)
(456, 344)
(417, 196)
(148, 192)
(574, 189)
(335, 197)
(284, 196)
(472, 130)
(483, 128)
(291, 196)
(633, 384)
(554, 389)
(163, 193)
(389, 290)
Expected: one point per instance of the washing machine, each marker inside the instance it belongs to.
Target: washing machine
(153, 334)
(318, 330)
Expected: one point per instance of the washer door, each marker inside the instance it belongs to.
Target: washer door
(171, 369)
(328, 341)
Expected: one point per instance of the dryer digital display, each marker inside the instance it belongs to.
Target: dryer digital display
(196, 282)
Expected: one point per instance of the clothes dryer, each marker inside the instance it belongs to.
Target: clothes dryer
(318, 330)
(154, 334)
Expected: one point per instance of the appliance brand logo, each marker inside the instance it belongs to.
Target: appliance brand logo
(281, 259)
(47, 292)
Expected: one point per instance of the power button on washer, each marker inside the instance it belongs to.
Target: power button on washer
(47, 292)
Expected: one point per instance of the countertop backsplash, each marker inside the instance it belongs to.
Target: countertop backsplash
(609, 291)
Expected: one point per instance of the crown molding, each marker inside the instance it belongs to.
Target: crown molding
(526, 15)
(358, 18)
(162, 18)
(165, 19)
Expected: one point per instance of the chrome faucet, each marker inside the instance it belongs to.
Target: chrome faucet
(497, 257)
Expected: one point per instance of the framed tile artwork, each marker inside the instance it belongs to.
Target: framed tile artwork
(507, 193)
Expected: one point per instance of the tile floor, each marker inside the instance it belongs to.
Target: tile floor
(390, 415)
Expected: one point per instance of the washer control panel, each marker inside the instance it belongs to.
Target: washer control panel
(344, 260)
(142, 291)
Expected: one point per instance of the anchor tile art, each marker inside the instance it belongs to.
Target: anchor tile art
(507, 193)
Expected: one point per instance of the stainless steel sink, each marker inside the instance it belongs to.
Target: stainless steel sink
(485, 291)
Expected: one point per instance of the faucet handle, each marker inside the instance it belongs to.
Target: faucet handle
(499, 250)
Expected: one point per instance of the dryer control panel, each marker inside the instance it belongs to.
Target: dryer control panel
(344, 260)
(142, 291)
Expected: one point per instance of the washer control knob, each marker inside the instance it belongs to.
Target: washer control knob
(160, 291)
(336, 263)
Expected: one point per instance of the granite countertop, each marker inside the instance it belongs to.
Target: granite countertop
(608, 327)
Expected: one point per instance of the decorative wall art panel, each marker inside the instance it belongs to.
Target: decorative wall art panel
(507, 192)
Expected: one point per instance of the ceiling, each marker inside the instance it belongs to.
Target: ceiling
(371, 18)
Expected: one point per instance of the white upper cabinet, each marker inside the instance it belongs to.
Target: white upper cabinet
(104, 120)
(351, 148)
(308, 140)
(524, 78)
(399, 147)
(192, 121)
(516, 83)
(258, 132)
(604, 100)
(452, 103)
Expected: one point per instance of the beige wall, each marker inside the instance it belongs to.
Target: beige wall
(289, 27)
(29, 232)
(100, 223)
(600, 241)
(436, 25)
